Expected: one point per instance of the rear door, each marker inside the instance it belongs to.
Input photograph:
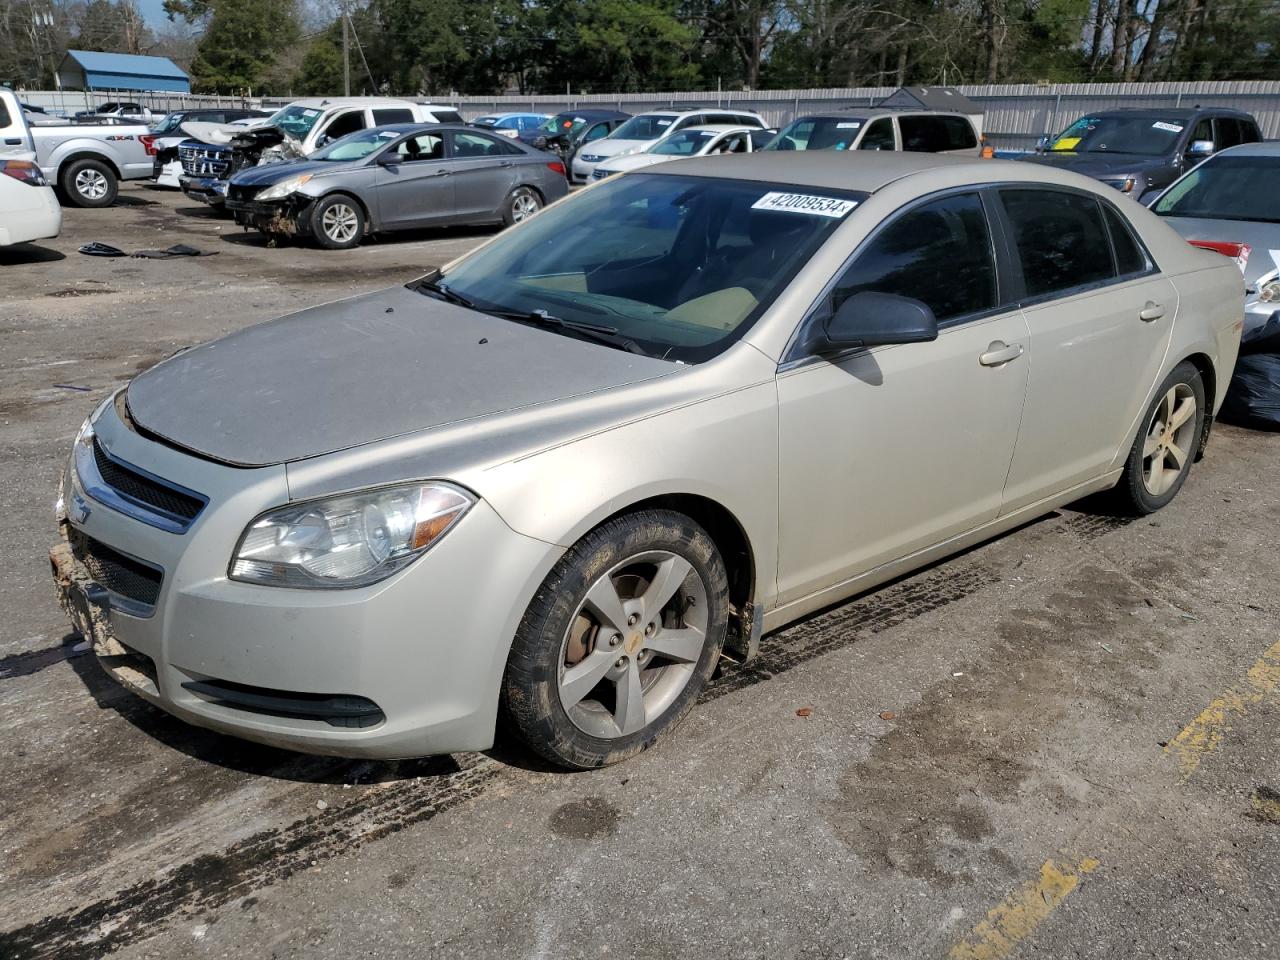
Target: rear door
(14, 138)
(484, 172)
(414, 186)
(1100, 316)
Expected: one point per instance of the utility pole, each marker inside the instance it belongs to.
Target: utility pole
(346, 54)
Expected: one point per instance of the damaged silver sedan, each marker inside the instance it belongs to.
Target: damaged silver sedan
(563, 477)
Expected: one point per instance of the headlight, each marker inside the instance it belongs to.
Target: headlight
(1269, 291)
(285, 187)
(347, 541)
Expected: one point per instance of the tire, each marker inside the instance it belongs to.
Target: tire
(337, 222)
(89, 183)
(1161, 456)
(574, 681)
(521, 204)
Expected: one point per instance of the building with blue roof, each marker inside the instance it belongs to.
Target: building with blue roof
(89, 70)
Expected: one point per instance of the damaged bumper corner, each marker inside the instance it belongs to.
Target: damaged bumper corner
(208, 190)
(288, 216)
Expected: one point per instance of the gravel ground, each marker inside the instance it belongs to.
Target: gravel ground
(1059, 744)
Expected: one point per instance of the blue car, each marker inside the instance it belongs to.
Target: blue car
(511, 124)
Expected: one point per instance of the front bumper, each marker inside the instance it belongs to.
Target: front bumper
(580, 170)
(407, 667)
(167, 174)
(208, 190)
(289, 216)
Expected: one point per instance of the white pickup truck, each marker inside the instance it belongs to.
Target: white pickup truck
(85, 161)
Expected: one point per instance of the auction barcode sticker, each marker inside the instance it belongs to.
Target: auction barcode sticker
(804, 203)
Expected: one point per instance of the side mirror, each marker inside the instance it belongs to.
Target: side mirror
(1042, 145)
(388, 158)
(870, 319)
(1200, 148)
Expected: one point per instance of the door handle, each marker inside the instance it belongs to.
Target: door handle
(1152, 311)
(443, 173)
(506, 163)
(13, 141)
(999, 353)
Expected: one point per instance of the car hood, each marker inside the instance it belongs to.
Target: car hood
(1098, 165)
(269, 173)
(377, 366)
(609, 147)
(1264, 238)
(634, 161)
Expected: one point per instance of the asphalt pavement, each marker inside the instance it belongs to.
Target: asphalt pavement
(1062, 743)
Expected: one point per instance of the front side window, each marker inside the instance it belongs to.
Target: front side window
(683, 266)
(1231, 187)
(597, 132)
(296, 121)
(424, 146)
(879, 136)
(939, 253)
(819, 133)
(1061, 239)
(345, 123)
(686, 143)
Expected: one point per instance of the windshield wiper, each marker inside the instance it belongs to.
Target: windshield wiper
(428, 285)
(591, 331)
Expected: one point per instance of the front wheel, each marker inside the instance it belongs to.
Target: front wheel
(89, 183)
(618, 641)
(521, 204)
(1166, 443)
(337, 222)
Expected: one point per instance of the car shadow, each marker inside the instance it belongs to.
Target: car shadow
(202, 212)
(21, 253)
(128, 200)
(254, 238)
(243, 756)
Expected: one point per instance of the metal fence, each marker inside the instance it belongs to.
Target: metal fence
(1015, 115)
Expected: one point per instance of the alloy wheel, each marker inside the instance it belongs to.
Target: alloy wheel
(1167, 448)
(524, 206)
(91, 184)
(339, 223)
(633, 644)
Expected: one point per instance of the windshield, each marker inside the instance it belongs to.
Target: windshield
(681, 265)
(686, 143)
(170, 122)
(647, 126)
(485, 121)
(1226, 188)
(817, 133)
(295, 120)
(1147, 136)
(357, 146)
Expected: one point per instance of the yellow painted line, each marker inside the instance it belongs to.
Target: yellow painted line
(1202, 735)
(1010, 922)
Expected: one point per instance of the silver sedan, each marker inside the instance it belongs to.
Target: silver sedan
(397, 177)
(562, 477)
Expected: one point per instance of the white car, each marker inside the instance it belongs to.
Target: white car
(705, 141)
(644, 130)
(29, 208)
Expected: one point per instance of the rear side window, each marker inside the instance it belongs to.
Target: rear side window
(935, 134)
(879, 136)
(939, 252)
(1249, 132)
(1130, 258)
(392, 115)
(1061, 239)
(1226, 133)
(5, 119)
(447, 116)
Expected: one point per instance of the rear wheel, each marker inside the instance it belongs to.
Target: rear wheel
(619, 640)
(521, 204)
(337, 222)
(1166, 443)
(89, 183)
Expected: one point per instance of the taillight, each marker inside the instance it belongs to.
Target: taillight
(1239, 252)
(149, 143)
(23, 170)
(555, 166)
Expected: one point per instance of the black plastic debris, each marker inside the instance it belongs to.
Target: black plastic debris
(1253, 398)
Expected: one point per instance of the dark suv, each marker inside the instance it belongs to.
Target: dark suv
(1140, 152)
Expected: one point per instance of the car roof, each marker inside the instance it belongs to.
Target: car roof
(424, 126)
(874, 113)
(716, 128)
(325, 102)
(1158, 112)
(668, 112)
(593, 114)
(1269, 148)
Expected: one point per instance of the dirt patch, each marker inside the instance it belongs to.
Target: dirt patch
(587, 819)
(79, 292)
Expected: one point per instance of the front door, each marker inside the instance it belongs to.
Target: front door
(484, 172)
(887, 451)
(1100, 317)
(414, 183)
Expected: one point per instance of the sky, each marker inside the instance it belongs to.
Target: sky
(153, 12)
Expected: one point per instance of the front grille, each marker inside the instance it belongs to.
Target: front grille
(115, 572)
(143, 490)
(202, 160)
(241, 194)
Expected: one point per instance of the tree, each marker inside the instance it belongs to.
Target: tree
(242, 39)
